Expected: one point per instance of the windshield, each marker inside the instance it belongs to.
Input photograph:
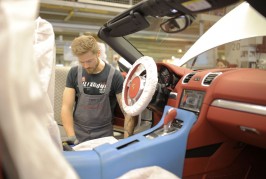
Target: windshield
(247, 51)
(163, 46)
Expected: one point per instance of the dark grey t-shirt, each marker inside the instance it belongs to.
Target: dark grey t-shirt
(95, 84)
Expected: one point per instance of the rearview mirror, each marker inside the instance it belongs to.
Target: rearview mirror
(177, 24)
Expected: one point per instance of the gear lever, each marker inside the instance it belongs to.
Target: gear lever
(169, 117)
(167, 125)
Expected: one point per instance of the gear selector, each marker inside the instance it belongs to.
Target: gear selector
(169, 125)
(170, 116)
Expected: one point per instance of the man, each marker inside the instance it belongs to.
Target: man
(91, 92)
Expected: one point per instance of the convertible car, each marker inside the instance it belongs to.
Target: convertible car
(207, 122)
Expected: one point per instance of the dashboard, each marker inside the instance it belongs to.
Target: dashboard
(210, 93)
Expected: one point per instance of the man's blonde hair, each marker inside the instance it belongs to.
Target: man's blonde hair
(84, 44)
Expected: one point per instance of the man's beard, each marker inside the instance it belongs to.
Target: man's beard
(93, 70)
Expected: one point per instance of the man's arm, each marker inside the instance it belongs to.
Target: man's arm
(130, 121)
(67, 110)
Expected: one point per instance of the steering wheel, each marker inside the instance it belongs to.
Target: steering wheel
(139, 87)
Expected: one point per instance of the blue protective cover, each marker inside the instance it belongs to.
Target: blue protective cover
(113, 160)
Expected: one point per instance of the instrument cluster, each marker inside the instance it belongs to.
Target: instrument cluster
(167, 77)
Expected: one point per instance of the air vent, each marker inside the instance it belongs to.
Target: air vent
(207, 80)
(188, 77)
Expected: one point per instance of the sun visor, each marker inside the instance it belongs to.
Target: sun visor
(127, 25)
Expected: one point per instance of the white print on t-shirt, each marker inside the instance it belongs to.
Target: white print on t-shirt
(100, 86)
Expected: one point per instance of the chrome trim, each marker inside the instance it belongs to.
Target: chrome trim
(186, 77)
(249, 130)
(173, 95)
(245, 107)
(215, 73)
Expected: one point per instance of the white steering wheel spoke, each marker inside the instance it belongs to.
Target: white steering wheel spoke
(140, 68)
(132, 102)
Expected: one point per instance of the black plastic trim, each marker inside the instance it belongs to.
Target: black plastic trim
(205, 151)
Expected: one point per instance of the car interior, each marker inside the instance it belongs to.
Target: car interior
(195, 123)
(228, 138)
(218, 128)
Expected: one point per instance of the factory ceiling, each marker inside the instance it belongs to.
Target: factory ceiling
(72, 18)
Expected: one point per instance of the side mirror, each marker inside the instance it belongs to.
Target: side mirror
(177, 24)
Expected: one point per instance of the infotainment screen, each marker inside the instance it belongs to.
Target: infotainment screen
(192, 100)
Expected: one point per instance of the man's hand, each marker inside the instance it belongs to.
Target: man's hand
(72, 140)
(129, 125)
(130, 121)
(68, 141)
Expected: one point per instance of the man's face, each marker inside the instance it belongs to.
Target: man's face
(89, 61)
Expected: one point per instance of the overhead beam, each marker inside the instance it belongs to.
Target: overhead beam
(79, 14)
(97, 5)
(70, 14)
